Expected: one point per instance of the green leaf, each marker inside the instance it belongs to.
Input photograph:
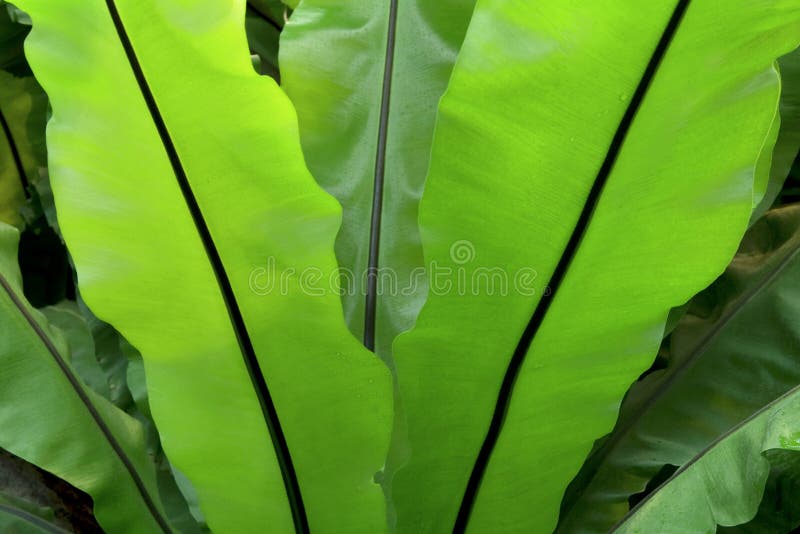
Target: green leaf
(367, 106)
(780, 508)
(65, 428)
(177, 493)
(724, 483)
(23, 106)
(100, 361)
(600, 160)
(12, 37)
(182, 193)
(110, 357)
(67, 317)
(27, 487)
(788, 137)
(731, 354)
(16, 518)
(262, 34)
(273, 10)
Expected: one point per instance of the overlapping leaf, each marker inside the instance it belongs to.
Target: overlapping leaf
(788, 135)
(735, 352)
(366, 78)
(50, 419)
(724, 483)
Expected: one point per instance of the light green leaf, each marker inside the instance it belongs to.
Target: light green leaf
(177, 493)
(182, 193)
(724, 483)
(63, 427)
(28, 488)
(600, 154)
(733, 353)
(367, 108)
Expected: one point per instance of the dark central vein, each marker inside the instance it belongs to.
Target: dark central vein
(84, 398)
(268, 410)
(15, 155)
(507, 387)
(370, 306)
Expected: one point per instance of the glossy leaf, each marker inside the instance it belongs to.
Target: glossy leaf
(722, 485)
(183, 195)
(366, 78)
(733, 353)
(601, 156)
(65, 428)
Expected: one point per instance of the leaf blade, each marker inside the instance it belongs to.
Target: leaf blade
(247, 129)
(359, 121)
(615, 293)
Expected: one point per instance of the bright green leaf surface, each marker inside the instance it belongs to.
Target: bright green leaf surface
(722, 485)
(332, 63)
(45, 417)
(539, 90)
(733, 353)
(143, 267)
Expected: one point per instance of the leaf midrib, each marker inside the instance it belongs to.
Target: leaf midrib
(371, 301)
(269, 412)
(515, 365)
